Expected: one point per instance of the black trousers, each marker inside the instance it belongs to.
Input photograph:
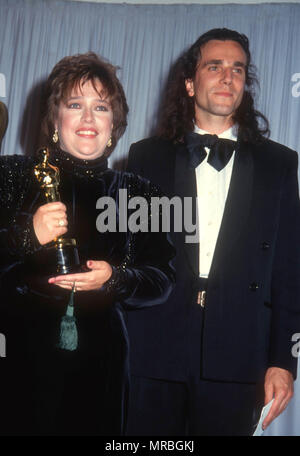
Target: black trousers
(162, 408)
(196, 407)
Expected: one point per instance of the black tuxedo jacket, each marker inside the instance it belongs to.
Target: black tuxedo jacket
(253, 306)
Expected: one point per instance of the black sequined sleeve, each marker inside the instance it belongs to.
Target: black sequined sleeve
(17, 238)
(146, 276)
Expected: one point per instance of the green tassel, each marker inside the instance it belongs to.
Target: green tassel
(68, 329)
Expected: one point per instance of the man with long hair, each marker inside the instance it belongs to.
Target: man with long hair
(222, 345)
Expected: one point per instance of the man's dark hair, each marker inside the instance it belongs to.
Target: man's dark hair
(178, 111)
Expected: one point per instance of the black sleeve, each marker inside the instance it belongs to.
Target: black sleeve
(17, 237)
(285, 280)
(146, 276)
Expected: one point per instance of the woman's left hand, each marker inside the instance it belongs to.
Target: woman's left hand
(100, 272)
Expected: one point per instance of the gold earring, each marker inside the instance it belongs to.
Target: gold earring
(55, 137)
(109, 144)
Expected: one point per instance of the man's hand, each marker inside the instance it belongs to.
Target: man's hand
(100, 272)
(279, 384)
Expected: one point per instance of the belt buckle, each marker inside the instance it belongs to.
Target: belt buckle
(201, 298)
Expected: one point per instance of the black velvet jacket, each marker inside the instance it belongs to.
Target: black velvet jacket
(141, 260)
(142, 272)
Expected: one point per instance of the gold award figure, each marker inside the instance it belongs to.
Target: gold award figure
(62, 252)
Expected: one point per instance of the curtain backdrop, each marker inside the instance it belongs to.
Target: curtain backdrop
(144, 40)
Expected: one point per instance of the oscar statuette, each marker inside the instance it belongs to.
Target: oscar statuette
(61, 255)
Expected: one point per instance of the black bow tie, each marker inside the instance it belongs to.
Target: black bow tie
(221, 150)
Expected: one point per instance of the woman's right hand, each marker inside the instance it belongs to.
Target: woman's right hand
(50, 221)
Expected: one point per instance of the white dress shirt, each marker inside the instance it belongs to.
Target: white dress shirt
(212, 190)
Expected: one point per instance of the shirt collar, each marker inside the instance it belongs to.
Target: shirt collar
(231, 133)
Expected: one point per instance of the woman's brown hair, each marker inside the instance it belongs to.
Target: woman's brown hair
(72, 72)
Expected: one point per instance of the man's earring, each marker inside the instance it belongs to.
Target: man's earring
(55, 137)
(109, 144)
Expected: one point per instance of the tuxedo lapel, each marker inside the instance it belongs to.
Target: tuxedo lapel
(237, 205)
(163, 175)
(185, 187)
